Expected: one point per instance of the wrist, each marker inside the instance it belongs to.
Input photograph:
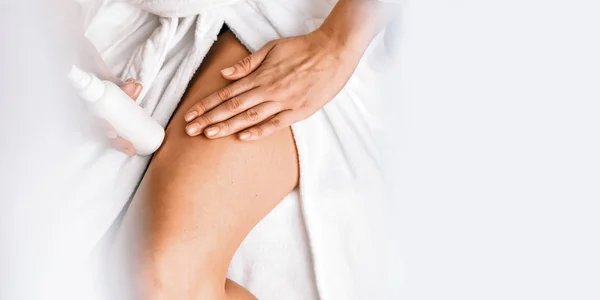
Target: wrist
(354, 23)
(349, 39)
(335, 46)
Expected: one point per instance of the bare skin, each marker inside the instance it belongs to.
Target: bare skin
(290, 79)
(205, 190)
(200, 197)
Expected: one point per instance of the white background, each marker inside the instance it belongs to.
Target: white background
(496, 150)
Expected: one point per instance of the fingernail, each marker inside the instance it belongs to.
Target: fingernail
(111, 135)
(227, 71)
(193, 128)
(211, 131)
(244, 136)
(138, 89)
(130, 152)
(130, 80)
(190, 116)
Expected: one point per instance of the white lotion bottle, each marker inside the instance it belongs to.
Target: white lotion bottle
(108, 102)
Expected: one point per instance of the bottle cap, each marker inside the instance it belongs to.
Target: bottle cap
(90, 88)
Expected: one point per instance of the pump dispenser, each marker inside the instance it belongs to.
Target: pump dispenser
(108, 102)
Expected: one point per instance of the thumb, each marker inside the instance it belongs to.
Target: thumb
(247, 64)
(131, 88)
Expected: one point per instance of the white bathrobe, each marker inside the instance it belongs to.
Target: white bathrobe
(325, 240)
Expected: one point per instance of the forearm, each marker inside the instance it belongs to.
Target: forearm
(354, 23)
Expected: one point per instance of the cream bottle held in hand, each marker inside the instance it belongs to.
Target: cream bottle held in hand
(107, 101)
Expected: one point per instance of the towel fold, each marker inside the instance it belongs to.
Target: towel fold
(330, 229)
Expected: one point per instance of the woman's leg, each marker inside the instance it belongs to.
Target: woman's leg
(200, 198)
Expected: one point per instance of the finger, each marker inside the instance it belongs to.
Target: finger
(226, 110)
(222, 95)
(247, 64)
(123, 145)
(131, 88)
(250, 117)
(270, 126)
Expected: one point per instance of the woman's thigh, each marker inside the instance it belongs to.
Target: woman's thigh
(200, 198)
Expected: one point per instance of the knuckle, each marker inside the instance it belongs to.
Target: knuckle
(225, 126)
(245, 84)
(252, 114)
(302, 105)
(200, 107)
(245, 63)
(283, 105)
(261, 77)
(233, 104)
(224, 93)
(249, 82)
(259, 131)
(275, 122)
(204, 120)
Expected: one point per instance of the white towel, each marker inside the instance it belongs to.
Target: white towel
(330, 231)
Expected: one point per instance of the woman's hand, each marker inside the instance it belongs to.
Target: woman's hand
(290, 79)
(130, 87)
(286, 81)
(68, 33)
(133, 90)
